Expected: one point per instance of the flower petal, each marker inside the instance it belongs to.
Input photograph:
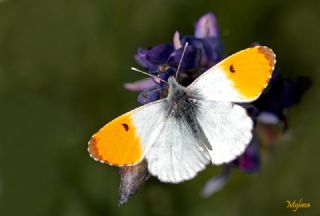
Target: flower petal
(176, 40)
(150, 95)
(140, 85)
(216, 183)
(190, 59)
(211, 49)
(207, 26)
(268, 118)
(159, 53)
(141, 58)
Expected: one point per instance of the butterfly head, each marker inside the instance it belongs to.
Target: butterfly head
(172, 81)
(174, 85)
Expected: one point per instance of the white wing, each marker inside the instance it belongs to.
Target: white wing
(227, 127)
(176, 154)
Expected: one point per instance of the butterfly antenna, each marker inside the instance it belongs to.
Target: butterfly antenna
(145, 73)
(184, 50)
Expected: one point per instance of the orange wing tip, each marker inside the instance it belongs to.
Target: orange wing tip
(270, 57)
(269, 54)
(94, 153)
(250, 70)
(93, 150)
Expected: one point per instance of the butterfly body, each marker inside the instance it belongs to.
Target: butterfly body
(182, 104)
(193, 126)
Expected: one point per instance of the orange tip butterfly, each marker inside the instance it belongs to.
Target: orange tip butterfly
(193, 126)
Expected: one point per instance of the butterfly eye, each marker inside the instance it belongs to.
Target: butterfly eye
(232, 70)
(125, 126)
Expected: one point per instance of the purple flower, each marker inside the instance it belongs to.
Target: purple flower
(249, 161)
(203, 51)
(280, 96)
(153, 57)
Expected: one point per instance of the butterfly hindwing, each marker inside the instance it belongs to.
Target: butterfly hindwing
(126, 139)
(227, 127)
(176, 154)
(239, 78)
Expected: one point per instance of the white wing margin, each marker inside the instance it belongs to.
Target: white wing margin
(227, 127)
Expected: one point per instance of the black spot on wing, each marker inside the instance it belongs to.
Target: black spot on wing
(125, 126)
(232, 69)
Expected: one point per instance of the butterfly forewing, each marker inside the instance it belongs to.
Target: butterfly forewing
(126, 139)
(239, 78)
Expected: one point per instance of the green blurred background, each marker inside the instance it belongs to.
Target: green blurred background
(62, 69)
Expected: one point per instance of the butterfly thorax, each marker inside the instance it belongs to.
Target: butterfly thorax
(179, 99)
(181, 104)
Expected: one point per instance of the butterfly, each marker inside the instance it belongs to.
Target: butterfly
(193, 126)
